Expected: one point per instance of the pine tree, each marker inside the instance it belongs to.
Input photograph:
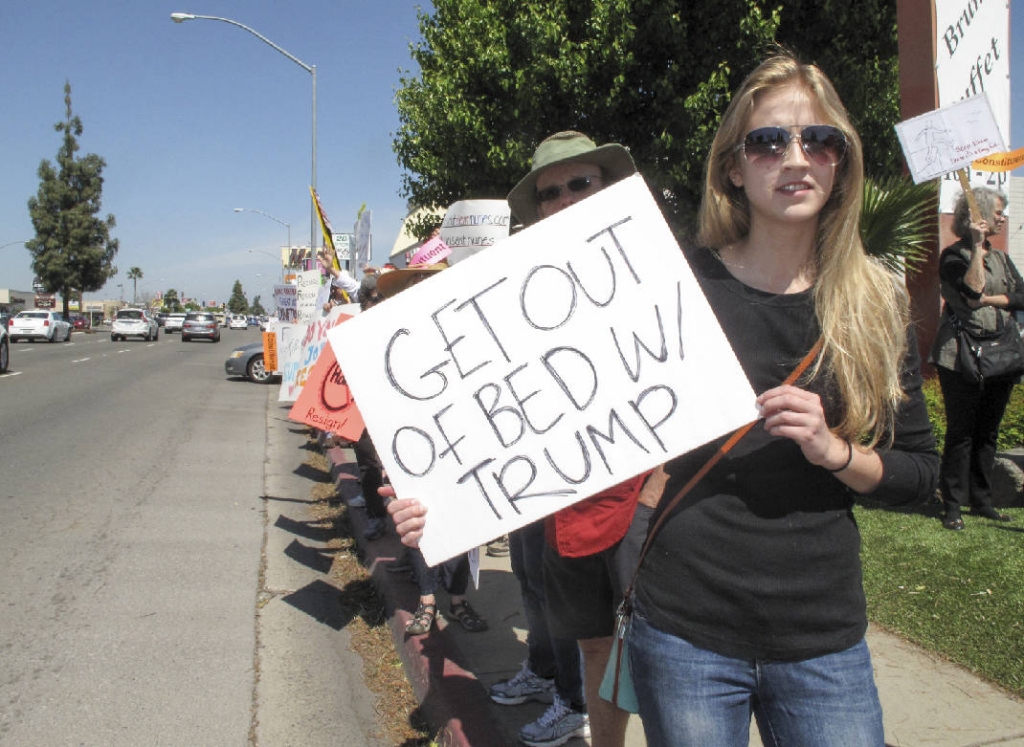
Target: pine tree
(238, 304)
(72, 251)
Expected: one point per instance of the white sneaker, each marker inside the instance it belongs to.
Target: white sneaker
(558, 725)
(524, 686)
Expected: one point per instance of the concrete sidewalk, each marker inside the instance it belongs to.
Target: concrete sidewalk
(926, 700)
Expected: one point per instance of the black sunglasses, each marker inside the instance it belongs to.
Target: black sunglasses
(576, 184)
(822, 144)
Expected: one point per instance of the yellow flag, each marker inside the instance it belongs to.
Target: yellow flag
(325, 227)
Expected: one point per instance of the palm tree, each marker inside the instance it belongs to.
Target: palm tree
(135, 275)
(898, 220)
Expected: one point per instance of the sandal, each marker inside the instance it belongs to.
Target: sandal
(466, 615)
(422, 620)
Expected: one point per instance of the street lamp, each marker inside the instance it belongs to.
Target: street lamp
(268, 215)
(271, 255)
(311, 69)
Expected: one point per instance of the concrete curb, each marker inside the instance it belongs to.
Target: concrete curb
(453, 700)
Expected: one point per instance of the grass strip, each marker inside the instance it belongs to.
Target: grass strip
(959, 594)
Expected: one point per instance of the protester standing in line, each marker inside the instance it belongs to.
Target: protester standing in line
(371, 471)
(452, 575)
(750, 599)
(981, 286)
(571, 588)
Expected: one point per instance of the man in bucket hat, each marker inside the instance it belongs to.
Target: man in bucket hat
(571, 567)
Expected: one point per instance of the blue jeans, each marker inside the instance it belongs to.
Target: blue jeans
(691, 697)
(548, 656)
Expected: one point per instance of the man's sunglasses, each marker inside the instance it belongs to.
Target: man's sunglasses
(822, 144)
(576, 184)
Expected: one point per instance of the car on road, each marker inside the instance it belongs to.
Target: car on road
(173, 322)
(238, 322)
(39, 324)
(161, 316)
(134, 323)
(247, 361)
(5, 347)
(80, 322)
(200, 324)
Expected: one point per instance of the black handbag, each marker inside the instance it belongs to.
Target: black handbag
(992, 355)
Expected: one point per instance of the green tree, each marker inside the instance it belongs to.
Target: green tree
(172, 304)
(238, 304)
(72, 250)
(135, 275)
(496, 76)
(257, 308)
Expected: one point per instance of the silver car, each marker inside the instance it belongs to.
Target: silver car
(134, 323)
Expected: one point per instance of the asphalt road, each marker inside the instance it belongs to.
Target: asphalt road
(134, 484)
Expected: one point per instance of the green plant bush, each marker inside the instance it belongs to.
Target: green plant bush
(1011, 429)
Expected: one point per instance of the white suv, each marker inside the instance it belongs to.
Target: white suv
(173, 323)
(134, 323)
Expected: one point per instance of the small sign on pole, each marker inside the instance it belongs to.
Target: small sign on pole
(948, 139)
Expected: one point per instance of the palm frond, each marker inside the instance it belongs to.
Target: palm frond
(898, 220)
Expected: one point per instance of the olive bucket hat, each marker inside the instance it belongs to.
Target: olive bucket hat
(567, 147)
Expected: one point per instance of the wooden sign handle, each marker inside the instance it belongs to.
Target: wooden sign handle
(965, 183)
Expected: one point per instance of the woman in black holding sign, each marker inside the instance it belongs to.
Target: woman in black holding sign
(980, 286)
(750, 600)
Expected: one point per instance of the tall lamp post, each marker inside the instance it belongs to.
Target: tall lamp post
(278, 220)
(270, 255)
(311, 69)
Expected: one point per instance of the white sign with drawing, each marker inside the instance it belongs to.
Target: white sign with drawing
(947, 139)
(563, 360)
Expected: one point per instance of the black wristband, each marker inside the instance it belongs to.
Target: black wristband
(849, 459)
(970, 293)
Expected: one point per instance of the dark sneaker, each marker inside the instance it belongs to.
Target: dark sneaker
(558, 725)
(523, 687)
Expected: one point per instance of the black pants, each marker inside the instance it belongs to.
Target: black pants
(973, 414)
(371, 475)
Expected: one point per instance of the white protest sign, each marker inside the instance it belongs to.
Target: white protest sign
(947, 139)
(470, 226)
(285, 302)
(311, 343)
(567, 358)
(308, 287)
(289, 357)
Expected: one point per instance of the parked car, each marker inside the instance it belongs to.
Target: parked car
(39, 324)
(134, 323)
(238, 322)
(5, 346)
(247, 361)
(80, 322)
(173, 322)
(201, 324)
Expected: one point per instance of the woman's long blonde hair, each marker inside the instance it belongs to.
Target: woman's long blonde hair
(862, 308)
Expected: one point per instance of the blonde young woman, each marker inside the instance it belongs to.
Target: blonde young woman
(750, 599)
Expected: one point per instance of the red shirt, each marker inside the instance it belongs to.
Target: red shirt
(596, 523)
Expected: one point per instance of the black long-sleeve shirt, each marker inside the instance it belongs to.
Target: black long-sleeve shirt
(761, 559)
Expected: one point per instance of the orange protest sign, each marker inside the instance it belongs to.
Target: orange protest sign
(270, 351)
(326, 402)
(1006, 161)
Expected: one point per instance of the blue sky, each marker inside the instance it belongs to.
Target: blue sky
(199, 118)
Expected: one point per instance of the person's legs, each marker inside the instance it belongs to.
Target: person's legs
(455, 574)
(607, 721)
(961, 402)
(989, 414)
(371, 477)
(428, 579)
(829, 700)
(526, 548)
(689, 697)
